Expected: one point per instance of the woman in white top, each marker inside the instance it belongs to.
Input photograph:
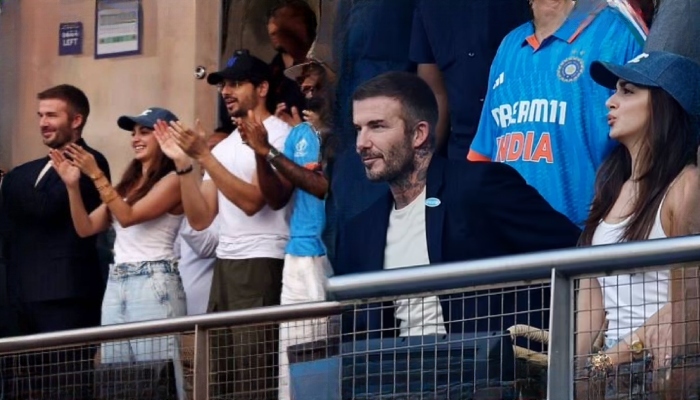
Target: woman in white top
(647, 188)
(145, 210)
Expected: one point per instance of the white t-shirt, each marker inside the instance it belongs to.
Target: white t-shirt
(265, 234)
(407, 246)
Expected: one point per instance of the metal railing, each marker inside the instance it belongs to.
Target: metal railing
(606, 259)
(201, 325)
(169, 326)
(561, 266)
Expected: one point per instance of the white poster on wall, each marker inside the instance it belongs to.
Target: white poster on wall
(117, 28)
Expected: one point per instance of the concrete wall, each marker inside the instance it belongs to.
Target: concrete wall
(178, 35)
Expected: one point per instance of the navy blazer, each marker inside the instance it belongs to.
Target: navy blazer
(46, 259)
(487, 210)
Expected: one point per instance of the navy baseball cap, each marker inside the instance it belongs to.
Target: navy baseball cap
(242, 67)
(676, 75)
(148, 118)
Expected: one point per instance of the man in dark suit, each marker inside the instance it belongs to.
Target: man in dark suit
(53, 275)
(439, 211)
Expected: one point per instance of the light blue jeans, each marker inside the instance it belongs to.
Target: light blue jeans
(141, 292)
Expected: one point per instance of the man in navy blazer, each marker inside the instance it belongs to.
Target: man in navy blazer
(54, 280)
(54, 277)
(439, 211)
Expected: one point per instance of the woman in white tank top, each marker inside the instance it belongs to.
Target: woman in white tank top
(647, 188)
(145, 210)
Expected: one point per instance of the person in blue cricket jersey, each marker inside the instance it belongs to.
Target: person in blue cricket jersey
(543, 114)
(299, 174)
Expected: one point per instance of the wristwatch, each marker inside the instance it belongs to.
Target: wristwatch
(636, 346)
(272, 154)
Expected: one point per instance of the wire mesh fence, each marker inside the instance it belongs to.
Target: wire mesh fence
(385, 348)
(477, 343)
(59, 374)
(244, 362)
(139, 368)
(636, 335)
(398, 348)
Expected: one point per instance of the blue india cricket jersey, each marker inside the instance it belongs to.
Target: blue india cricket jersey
(544, 115)
(303, 146)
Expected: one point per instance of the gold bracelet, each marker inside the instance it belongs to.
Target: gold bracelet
(100, 180)
(109, 200)
(108, 197)
(601, 363)
(98, 176)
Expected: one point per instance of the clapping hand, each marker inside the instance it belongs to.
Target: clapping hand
(254, 134)
(69, 173)
(192, 142)
(168, 144)
(82, 159)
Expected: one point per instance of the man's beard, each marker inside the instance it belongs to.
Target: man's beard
(240, 113)
(244, 105)
(398, 171)
(62, 136)
(398, 165)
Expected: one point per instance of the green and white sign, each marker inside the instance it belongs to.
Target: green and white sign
(117, 28)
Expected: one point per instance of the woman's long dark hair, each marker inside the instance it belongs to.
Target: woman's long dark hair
(128, 188)
(669, 145)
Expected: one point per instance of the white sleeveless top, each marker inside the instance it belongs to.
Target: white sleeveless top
(631, 299)
(148, 241)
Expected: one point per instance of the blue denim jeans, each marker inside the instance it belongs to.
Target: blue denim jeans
(140, 292)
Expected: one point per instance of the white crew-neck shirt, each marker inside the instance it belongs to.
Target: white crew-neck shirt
(407, 246)
(265, 234)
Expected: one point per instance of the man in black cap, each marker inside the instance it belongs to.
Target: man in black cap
(253, 232)
(291, 26)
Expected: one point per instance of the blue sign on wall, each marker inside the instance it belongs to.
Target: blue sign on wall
(70, 38)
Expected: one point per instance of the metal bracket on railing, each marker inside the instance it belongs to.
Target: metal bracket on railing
(561, 349)
(201, 363)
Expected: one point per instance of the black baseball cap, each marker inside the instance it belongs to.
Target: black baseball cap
(148, 118)
(242, 67)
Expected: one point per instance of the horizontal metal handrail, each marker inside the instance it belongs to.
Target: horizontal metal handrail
(525, 267)
(170, 326)
(405, 281)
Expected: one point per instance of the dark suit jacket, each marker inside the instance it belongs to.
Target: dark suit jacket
(487, 210)
(46, 259)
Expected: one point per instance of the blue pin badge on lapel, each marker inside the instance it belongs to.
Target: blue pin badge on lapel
(432, 202)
